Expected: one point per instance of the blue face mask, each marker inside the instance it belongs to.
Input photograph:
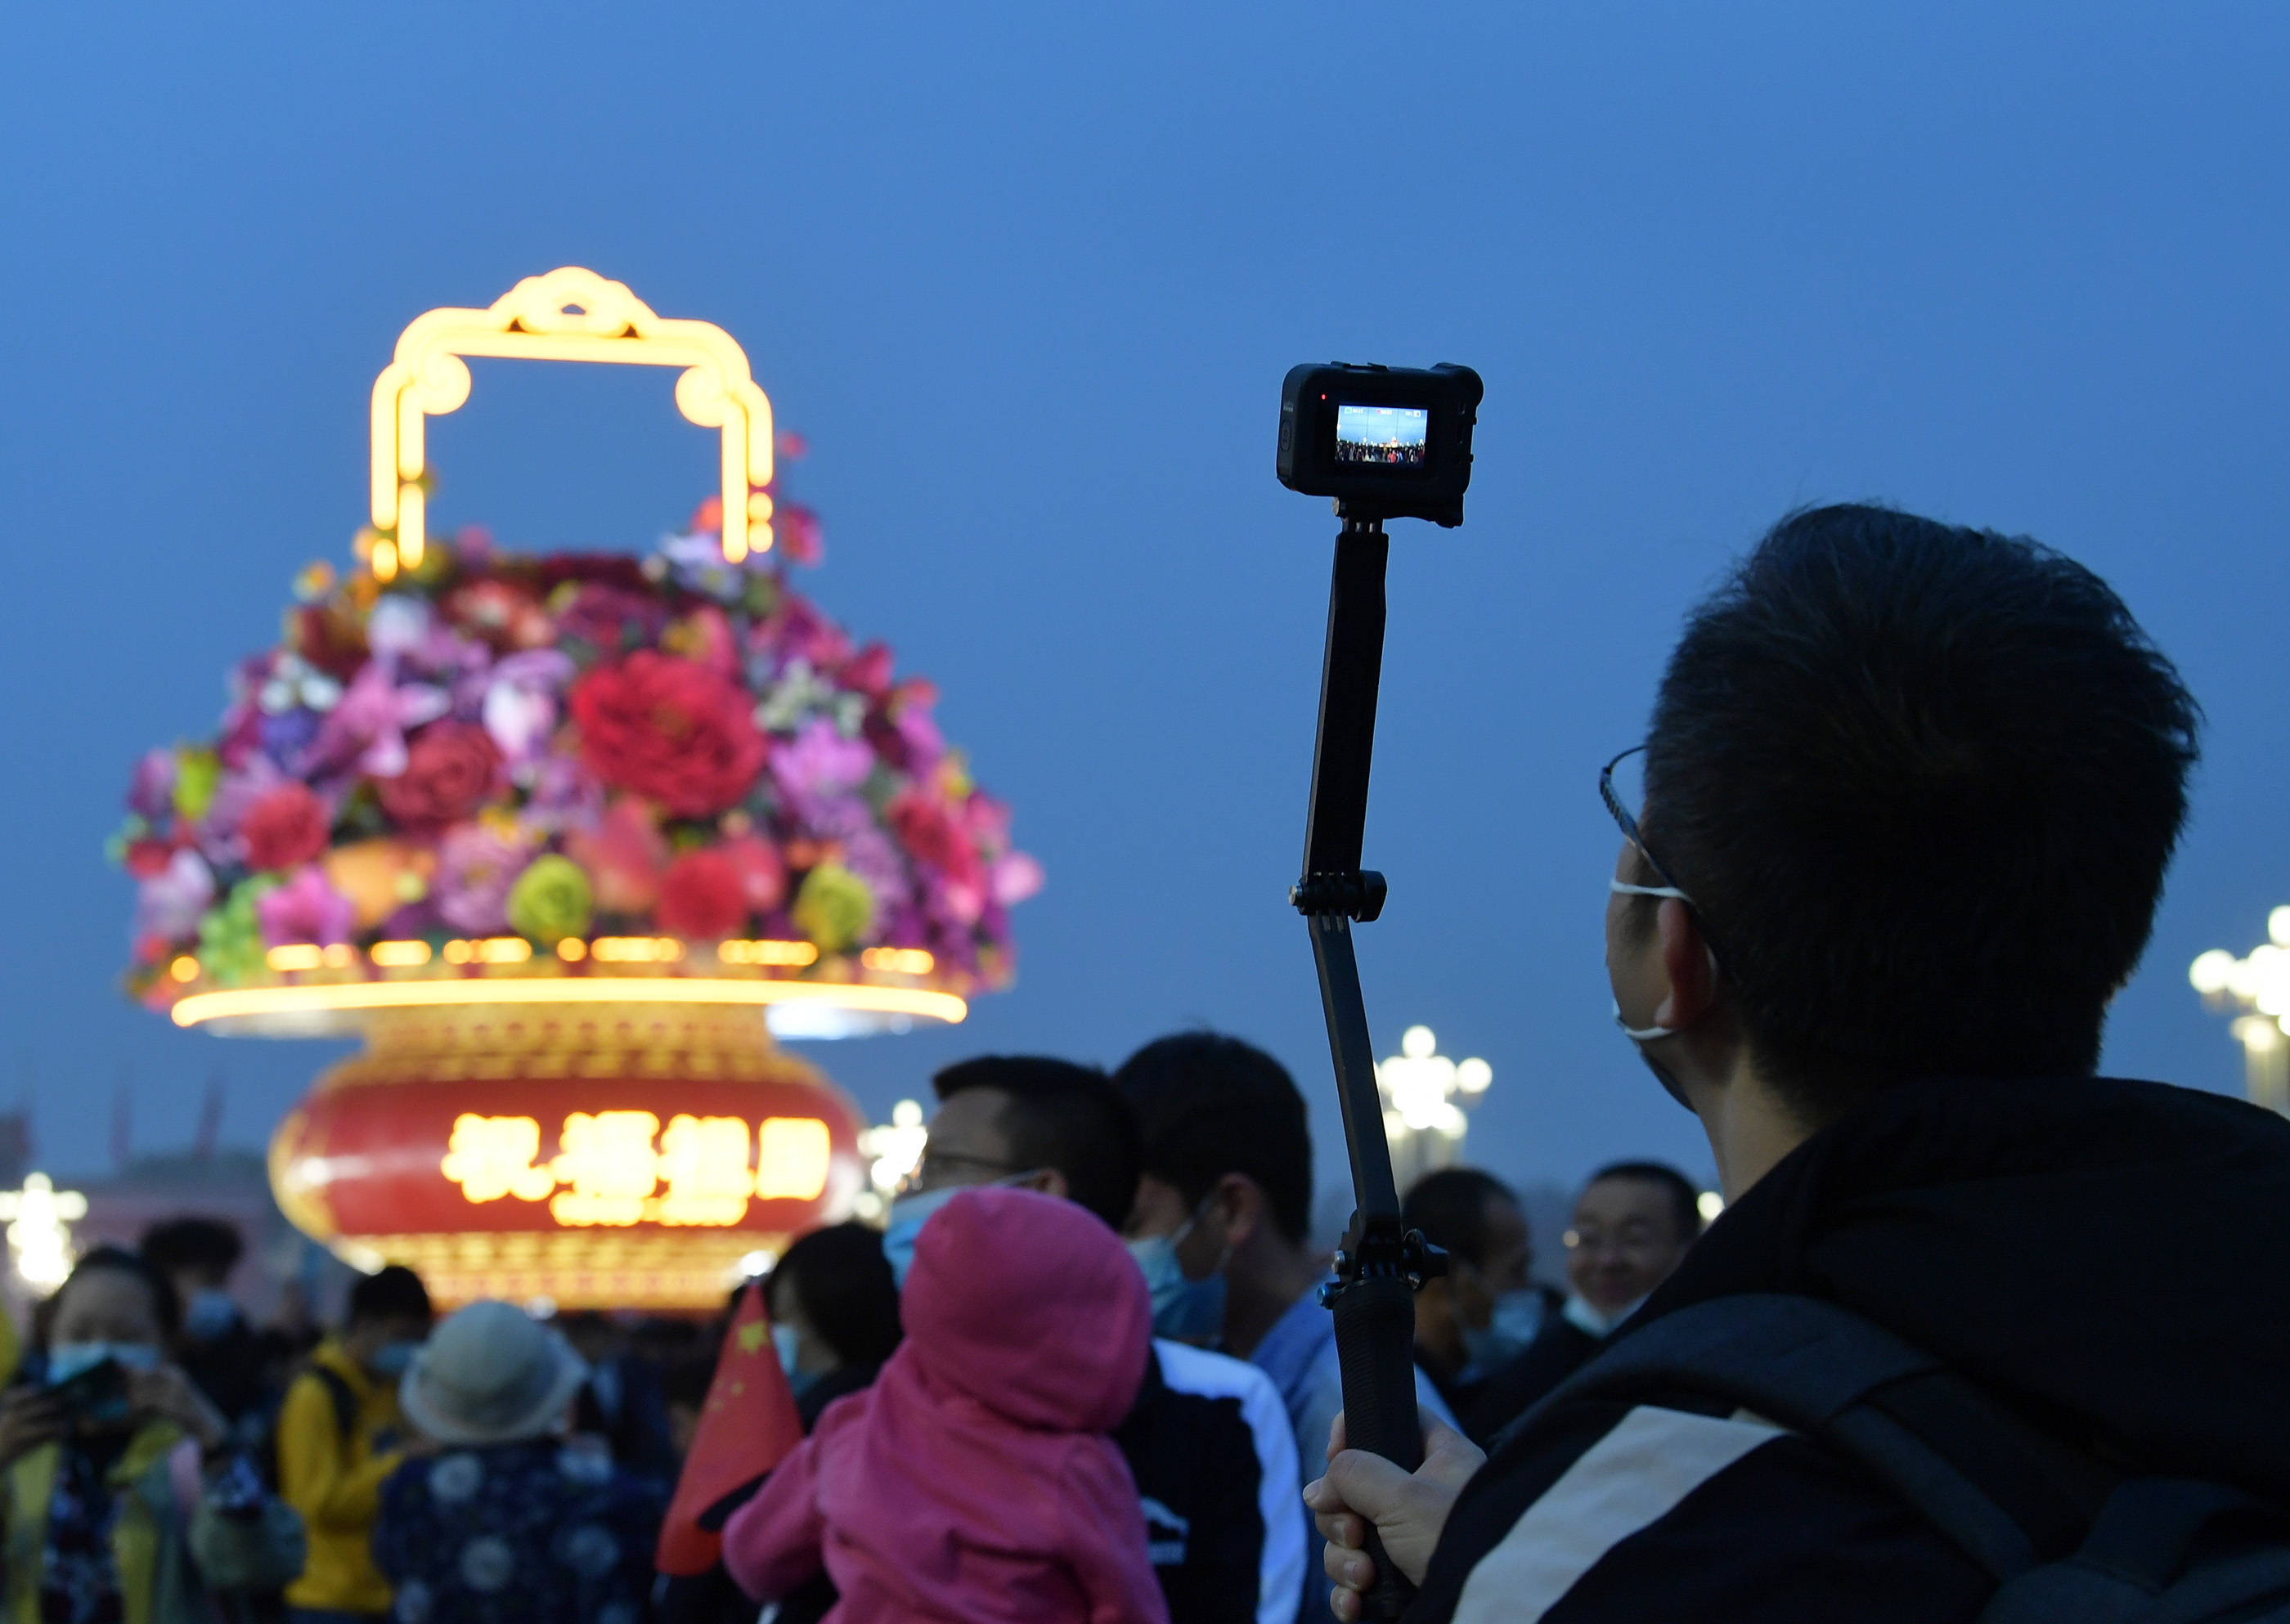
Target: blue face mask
(211, 1314)
(786, 1343)
(908, 1215)
(1510, 1331)
(66, 1360)
(393, 1358)
(1185, 1310)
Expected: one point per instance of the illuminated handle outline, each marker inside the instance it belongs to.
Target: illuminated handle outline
(569, 315)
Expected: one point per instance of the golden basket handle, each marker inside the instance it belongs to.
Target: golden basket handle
(569, 315)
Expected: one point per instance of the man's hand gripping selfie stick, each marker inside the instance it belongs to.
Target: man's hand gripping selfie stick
(1382, 1261)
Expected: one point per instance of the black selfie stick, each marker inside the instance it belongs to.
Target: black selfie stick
(1382, 1261)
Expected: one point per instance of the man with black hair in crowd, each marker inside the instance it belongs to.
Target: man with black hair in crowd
(1908, 796)
(219, 1350)
(1222, 1211)
(1207, 1441)
(1485, 1311)
(1631, 1226)
(340, 1437)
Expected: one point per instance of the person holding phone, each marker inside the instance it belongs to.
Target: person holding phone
(120, 1496)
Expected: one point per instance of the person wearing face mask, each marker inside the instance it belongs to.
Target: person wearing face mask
(1223, 1198)
(1485, 1310)
(120, 1493)
(340, 1436)
(1631, 1226)
(1207, 1440)
(834, 1308)
(1908, 798)
(219, 1350)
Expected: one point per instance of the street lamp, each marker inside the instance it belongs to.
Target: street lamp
(1425, 1095)
(2255, 989)
(39, 1231)
(894, 1150)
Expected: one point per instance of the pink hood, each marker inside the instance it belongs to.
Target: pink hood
(1030, 1306)
(973, 1482)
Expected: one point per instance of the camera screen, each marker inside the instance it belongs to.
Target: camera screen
(1390, 435)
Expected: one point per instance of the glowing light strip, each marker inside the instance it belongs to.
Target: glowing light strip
(569, 315)
(416, 995)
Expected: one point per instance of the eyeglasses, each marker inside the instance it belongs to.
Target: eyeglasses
(1627, 821)
(938, 1167)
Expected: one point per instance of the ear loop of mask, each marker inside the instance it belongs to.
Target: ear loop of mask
(1644, 1035)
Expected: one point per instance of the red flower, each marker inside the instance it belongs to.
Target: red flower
(451, 767)
(670, 730)
(932, 837)
(703, 895)
(286, 827)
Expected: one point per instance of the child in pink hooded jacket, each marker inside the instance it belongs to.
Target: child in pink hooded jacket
(974, 1481)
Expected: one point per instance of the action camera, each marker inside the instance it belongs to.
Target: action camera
(1387, 442)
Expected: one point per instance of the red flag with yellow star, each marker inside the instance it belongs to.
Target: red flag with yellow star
(746, 1426)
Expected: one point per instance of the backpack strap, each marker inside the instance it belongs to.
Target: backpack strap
(344, 1400)
(2000, 1493)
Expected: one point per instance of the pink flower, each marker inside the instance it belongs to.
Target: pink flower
(152, 794)
(305, 909)
(625, 855)
(1013, 878)
(476, 867)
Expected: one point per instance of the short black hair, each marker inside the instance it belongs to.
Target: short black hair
(1684, 1199)
(841, 1277)
(193, 1243)
(394, 1293)
(1922, 783)
(1212, 1105)
(166, 1307)
(1062, 1116)
(1450, 1207)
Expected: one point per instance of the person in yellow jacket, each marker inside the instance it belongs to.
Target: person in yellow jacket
(339, 1435)
(120, 1495)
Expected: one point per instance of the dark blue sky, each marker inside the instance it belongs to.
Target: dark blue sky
(2021, 267)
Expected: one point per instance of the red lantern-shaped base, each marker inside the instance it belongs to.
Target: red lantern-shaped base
(634, 1155)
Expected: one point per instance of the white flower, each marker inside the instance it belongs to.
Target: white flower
(589, 1550)
(487, 1563)
(455, 1477)
(413, 1605)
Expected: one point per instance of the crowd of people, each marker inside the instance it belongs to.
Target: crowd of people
(1976, 1327)
(1089, 1342)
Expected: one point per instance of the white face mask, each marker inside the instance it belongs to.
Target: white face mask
(1623, 888)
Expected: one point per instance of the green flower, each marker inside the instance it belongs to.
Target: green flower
(231, 949)
(551, 901)
(833, 908)
(196, 774)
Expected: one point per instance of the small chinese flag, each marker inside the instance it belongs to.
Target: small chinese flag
(747, 1427)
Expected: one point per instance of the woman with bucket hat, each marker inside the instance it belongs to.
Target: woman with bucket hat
(511, 1520)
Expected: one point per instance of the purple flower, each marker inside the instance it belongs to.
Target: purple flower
(1013, 879)
(170, 902)
(151, 794)
(286, 736)
(563, 794)
(476, 867)
(870, 854)
(305, 909)
(820, 762)
(520, 704)
(924, 743)
(368, 729)
(235, 797)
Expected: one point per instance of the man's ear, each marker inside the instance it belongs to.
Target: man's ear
(1241, 1207)
(1048, 1182)
(1687, 964)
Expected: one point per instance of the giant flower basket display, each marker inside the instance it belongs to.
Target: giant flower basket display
(567, 838)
